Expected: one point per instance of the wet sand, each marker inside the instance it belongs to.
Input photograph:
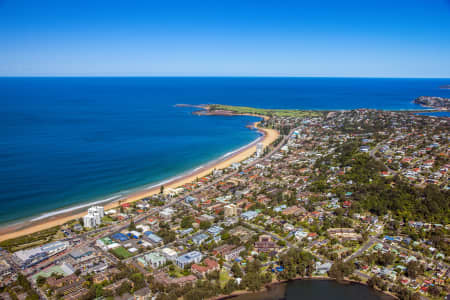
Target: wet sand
(29, 227)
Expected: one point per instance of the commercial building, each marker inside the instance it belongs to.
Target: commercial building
(29, 257)
(189, 258)
(153, 237)
(79, 253)
(169, 254)
(155, 259)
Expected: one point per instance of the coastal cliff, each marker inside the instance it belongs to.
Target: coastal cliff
(433, 102)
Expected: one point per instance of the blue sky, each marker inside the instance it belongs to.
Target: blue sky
(378, 38)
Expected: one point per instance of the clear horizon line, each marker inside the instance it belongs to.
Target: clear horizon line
(215, 76)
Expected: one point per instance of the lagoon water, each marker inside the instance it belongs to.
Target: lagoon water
(316, 290)
(67, 141)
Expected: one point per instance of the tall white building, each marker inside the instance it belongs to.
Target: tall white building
(94, 217)
(259, 149)
(230, 210)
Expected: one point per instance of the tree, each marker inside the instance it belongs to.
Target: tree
(434, 291)
(205, 225)
(341, 269)
(132, 225)
(41, 280)
(161, 189)
(414, 269)
(236, 270)
(187, 221)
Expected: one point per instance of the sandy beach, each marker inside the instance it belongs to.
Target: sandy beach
(29, 227)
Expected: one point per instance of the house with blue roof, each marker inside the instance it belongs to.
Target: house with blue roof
(389, 238)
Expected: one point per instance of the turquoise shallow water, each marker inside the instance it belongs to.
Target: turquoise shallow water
(66, 141)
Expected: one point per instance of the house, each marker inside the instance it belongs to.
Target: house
(142, 294)
(189, 258)
(322, 268)
(300, 234)
(208, 266)
(288, 227)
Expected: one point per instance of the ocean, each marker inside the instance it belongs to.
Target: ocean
(69, 141)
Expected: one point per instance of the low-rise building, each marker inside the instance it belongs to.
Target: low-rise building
(208, 266)
(189, 258)
(155, 259)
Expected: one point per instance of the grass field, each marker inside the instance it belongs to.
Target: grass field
(265, 112)
(121, 253)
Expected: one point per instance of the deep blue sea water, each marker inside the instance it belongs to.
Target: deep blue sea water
(66, 141)
(437, 114)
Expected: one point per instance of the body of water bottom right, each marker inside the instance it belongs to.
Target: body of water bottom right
(316, 290)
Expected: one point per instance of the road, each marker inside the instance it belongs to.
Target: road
(363, 248)
(89, 238)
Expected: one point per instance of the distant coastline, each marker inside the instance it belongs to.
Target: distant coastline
(439, 103)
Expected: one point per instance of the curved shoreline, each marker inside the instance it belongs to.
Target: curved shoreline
(53, 219)
(267, 287)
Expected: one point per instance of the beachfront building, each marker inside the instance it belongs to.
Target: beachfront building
(94, 217)
(259, 149)
(189, 258)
